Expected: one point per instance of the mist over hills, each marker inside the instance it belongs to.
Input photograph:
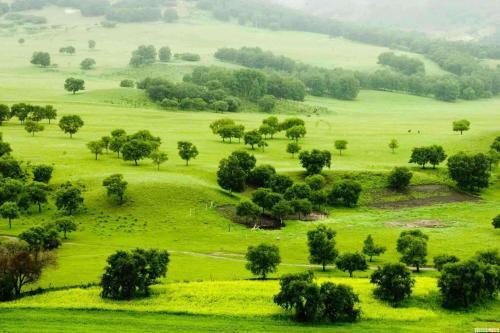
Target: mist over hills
(453, 19)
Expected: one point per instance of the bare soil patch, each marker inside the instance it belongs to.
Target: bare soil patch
(424, 195)
(416, 224)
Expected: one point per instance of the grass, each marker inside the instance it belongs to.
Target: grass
(175, 208)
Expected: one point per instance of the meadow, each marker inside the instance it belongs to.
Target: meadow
(176, 208)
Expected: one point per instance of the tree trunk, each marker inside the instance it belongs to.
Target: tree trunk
(10, 223)
(418, 268)
(96, 156)
(324, 267)
(371, 257)
(39, 207)
(187, 161)
(136, 164)
(350, 274)
(65, 234)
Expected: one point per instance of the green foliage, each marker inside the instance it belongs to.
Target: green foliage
(252, 138)
(293, 148)
(33, 127)
(158, 158)
(187, 151)
(432, 154)
(321, 244)
(127, 83)
(393, 283)
(170, 15)
(393, 145)
(464, 284)
(263, 259)
(280, 183)
(470, 172)
(267, 103)
(73, 85)
(130, 274)
(136, 150)
(67, 49)
(412, 245)
(496, 222)
(443, 259)
(87, 63)
(281, 209)
(372, 250)
(4, 113)
(340, 145)
(41, 58)
(92, 44)
(314, 161)
(42, 173)
(461, 126)
(231, 175)
(345, 193)
(71, 124)
(248, 211)
(9, 210)
(164, 54)
(115, 186)
(65, 225)
(399, 178)
(96, 147)
(261, 175)
(143, 55)
(296, 132)
(69, 198)
(41, 238)
(403, 64)
(351, 262)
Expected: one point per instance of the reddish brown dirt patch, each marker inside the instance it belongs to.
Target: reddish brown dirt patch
(416, 224)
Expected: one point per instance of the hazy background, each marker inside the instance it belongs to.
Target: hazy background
(452, 19)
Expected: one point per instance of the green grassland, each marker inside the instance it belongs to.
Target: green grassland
(176, 208)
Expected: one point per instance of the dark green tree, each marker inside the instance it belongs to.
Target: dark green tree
(372, 250)
(321, 244)
(73, 85)
(470, 172)
(393, 283)
(65, 225)
(10, 211)
(351, 262)
(314, 161)
(399, 178)
(69, 198)
(187, 151)
(263, 259)
(115, 186)
(71, 124)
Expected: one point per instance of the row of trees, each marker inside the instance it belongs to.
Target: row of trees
(402, 63)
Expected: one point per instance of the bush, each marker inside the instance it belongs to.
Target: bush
(169, 103)
(188, 56)
(127, 83)
(394, 283)
(399, 178)
(470, 172)
(443, 259)
(345, 193)
(467, 283)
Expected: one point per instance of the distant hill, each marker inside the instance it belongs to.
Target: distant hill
(453, 19)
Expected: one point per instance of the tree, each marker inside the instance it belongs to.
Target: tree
(315, 182)
(261, 175)
(67, 49)
(50, 113)
(412, 245)
(399, 178)
(248, 211)
(263, 259)
(41, 58)
(71, 124)
(293, 148)
(339, 302)
(393, 145)
(10, 211)
(433, 154)
(252, 138)
(461, 126)
(170, 15)
(470, 172)
(351, 262)
(443, 259)
(321, 243)
(37, 194)
(164, 54)
(314, 161)
(73, 85)
(187, 151)
(143, 55)
(115, 186)
(436, 155)
(267, 103)
(96, 147)
(298, 191)
(136, 150)
(65, 225)
(231, 176)
(496, 222)
(5, 149)
(33, 127)
(41, 238)
(372, 250)
(490, 256)
(158, 158)
(296, 132)
(21, 41)
(463, 284)
(127, 83)
(220, 106)
(446, 89)
(42, 173)
(420, 156)
(393, 283)
(340, 145)
(69, 198)
(281, 209)
(496, 144)
(302, 207)
(273, 124)
(92, 44)
(262, 144)
(117, 143)
(86, 64)
(280, 183)
(4, 113)
(130, 274)
(216, 125)
(19, 266)
(345, 193)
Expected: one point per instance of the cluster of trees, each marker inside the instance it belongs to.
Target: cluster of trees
(433, 155)
(27, 113)
(146, 55)
(337, 83)
(136, 147)
(41, 59)
(187, 95)
(67, 49)
(402, 63)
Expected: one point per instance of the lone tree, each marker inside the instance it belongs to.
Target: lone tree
(393, 145)
(252, 138)
(158, 158)
(340, 145)
(115, 186)
(69, 198)
(187, 151)
(96, 147)
(467, 283)
(136, 150)
(10, 211)
(19, 266)
(73, 85)
(92, 44)
(65, 225)
(351, 262)
(33, 127)
(130, 274)
(41, 58)
(314, 161)
(412, 245)
(293, 148)
(71, 124)
(86, 64)
(263, 259)
(393, 283)
(372, 250)
(461, 126)
(399, 178)
(42, 173)
(470, 172)
(321, 243)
